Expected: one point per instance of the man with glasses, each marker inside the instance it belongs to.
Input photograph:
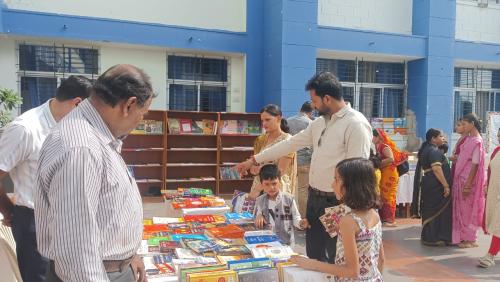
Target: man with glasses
(339, 133)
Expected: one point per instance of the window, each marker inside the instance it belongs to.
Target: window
(42, 68)
(477, 90)
(197, 84)
(377, 89)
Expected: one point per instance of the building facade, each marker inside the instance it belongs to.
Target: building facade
(433, 60)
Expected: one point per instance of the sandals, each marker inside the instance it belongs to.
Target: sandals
(390, 224)
(466, 245)
(487, 261)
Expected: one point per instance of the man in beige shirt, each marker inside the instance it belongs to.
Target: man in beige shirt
(339, 133)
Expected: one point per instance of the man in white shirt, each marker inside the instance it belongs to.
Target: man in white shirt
(339, 133)
(20, 146)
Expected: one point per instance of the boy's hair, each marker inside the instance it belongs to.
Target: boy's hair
(358, 177)
(269, 172)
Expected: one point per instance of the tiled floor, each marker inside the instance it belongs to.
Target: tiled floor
(406, 258)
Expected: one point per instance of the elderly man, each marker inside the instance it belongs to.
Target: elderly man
(88, 208)
(19, 150)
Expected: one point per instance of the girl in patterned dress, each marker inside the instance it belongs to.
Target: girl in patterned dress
(360, 254)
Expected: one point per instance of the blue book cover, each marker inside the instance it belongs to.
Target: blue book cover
(249, 263)
(178, 237)
(262, 239)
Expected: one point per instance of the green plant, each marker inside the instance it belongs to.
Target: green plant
(8, 101)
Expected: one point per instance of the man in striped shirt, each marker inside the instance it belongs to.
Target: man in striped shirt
(20, 147)
(88, 207)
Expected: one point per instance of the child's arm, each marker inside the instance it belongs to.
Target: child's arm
(381, 258)
(297, 220)
(348, 229)
(260, 221)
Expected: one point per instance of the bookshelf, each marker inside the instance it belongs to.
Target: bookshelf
(187, 157)
(144, 154)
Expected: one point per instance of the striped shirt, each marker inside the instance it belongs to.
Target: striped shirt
(20, 147)
(87, 206)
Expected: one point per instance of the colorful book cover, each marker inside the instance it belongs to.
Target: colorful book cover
(207, 218)
(234, 251)
(273, 252)
(186, 126)
(202, 246)
(215, 276)
(242, 126)
(264, 245)
(178, 237)
(155, 241)
(208, 126)
(226, 259)
(197, 127)
(185, 253)
(331, 218)
(185, 270)
(249, 263)
(168, 246)
(230, 231)
(229, 127)
(254, 127)
(261, 239)
(174, 126)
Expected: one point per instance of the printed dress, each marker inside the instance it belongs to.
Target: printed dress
(368, 242)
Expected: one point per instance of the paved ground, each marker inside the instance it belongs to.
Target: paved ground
(407, 259)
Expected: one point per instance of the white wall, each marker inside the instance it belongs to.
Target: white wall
(210, 14)
(152, 61)
(237, 84)
(477, 24)
(394, 16)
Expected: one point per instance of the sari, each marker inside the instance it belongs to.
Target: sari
(457, 152)
(390, 177)
(435, 209)
(289, 178)
(491, 214)
(468, 211)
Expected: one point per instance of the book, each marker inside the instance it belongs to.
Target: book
(229, 173)
(214, 276)
(262, 239)
(263, 245)
(239, 218)
(197, 127)
(165, 220)
(206, 218)
(230, 231)
(226, 259)
(155, 241)
(249, 263)
(159, 266)
(169, 246)
(208, 126)
(174, 126)
(254, 127)
(186, 269)
(258, 233)
(331, 218)
(185, 253)
(258, 275)
(202, 246)
(242, 126)
(186, 126)
(234, 251)
(273, 252)
(178, 237)
(148, 126)
(229, 127)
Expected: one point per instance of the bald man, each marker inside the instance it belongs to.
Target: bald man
(88, 208)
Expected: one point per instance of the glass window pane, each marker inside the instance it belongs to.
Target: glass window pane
(348, 93)
(36, 91)
(345, 70)
(199, 69)
(496, 102)
(183, 97)
(78, 60)
(376, 72)
(213, 99)
(393, 103)
(464, 102)
(464, 77)
(369, 102)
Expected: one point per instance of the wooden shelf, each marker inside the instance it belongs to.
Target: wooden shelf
(245, 179)
(142, 149)
(239, 135)
(188, 164)
(191, 135)
(188, 180)
(192, 149)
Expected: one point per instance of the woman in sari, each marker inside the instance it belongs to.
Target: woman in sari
(435, 201)
(492, 216)
(468, 185)
(390, 157)
(459, 128)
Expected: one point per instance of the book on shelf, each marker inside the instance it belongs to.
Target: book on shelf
(229, 173)
(148, 126)
(189, 126)
(243, 127)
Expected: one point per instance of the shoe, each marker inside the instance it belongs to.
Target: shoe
(390, 224)
(487, 261)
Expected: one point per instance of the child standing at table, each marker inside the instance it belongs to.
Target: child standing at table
(360, 253)
(276, 209)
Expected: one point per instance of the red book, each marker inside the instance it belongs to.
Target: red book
(186, 126)
(231, 231)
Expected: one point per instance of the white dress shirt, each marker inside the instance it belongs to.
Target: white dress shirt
(347, 134)
(87, 205)
(20, 146)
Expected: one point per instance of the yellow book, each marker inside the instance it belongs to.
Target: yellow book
(215, 276)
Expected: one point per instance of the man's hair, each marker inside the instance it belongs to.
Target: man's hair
(269, 172)
(75, 86)
(121, 82)
(325, 83)
(306, 107)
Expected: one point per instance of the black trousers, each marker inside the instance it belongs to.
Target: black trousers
(32, 265)
(319, 244)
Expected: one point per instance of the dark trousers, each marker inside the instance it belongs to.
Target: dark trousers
(319, 244)
(32, 265)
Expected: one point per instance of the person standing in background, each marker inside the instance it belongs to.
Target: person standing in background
(298, 123)
(20, 147)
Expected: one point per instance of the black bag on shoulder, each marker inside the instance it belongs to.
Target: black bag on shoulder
(403, 168)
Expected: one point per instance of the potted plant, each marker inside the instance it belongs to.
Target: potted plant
(8, 101)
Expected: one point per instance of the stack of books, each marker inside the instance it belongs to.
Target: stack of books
(229, 173)
(189, 126)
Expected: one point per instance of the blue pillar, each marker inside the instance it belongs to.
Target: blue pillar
(290, 41)
(430, 80)
(254, 56)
